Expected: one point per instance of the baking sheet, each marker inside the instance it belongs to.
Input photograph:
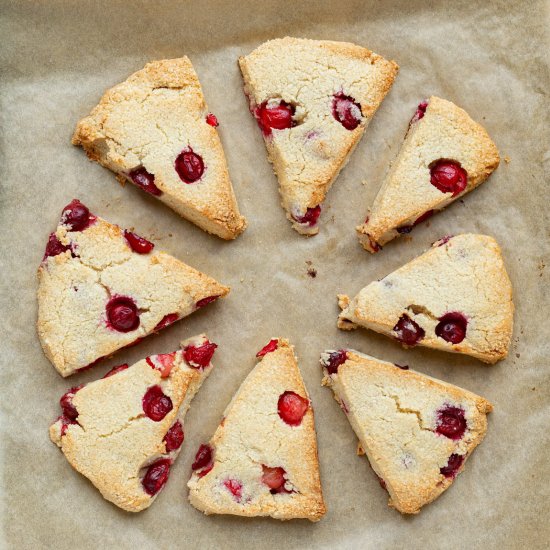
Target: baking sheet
(58, 58)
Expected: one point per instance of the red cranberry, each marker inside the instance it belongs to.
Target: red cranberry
(420, 111)
(174, 437)
(114, 370)
(145, 181)
(156, 404)
(212, 120)
(407, 331)
(334, 360)
(268, 348)
(122, 314)
(451, 422)
(163, 362)
(138, 244)
(65, 423)
(274, 478)
(166, 321)
(54, 247)
(453, 465)
(199, 357)
(278, 117)
(381, 482)
(156, 476)
(66, 402)
(310, 217)
(189, 166)
(448, 176)
(292, 408)
(206, 301)
(203, 458)
(76, 216)
(235, 487)
(452, 327)
(346, 111)
(409, 228)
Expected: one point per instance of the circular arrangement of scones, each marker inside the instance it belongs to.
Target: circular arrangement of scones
(103, 288)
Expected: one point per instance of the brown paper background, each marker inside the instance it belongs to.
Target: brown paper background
(489, 57)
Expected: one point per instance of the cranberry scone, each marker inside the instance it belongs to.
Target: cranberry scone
(155, 131)
(102, 288)
(262, 459)
(444, 156)
(124, 432)
(417, 431)
(455, 297)
(313, 100)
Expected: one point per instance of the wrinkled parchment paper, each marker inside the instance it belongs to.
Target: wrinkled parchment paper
(58, 58)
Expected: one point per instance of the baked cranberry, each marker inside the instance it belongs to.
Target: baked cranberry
(203, 458)
(138, 244)
(278, 117)
(334, 360)
(92, 364)
(453, 465)
(451, 422)
(156, 404)
(235, 488)
(114, 370)
(268, 348)
(452, 327)
(407, 331)
(402, 367)
(174, 437)
(274, 478)
(448, 176)
(76, 216)
(310, 217)
(409, 228)
(189, 166)
(420, 112)
(66, 402)
(292, 408)
(212, 120)
(162, 362)
(145, 181)
(346, 111)
(54, 247)
(199, 357)
(206, 301)
(65, 423)
(443, 240)
(122, 314)
(381, 482)
(156, 476)
(166, 321)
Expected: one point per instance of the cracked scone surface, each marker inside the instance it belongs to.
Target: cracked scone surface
(112, 441)
(77, 284)
(445, 131)
(251, 436)
(463, 274)
(145, 123)
(308, 74)
(395, 414)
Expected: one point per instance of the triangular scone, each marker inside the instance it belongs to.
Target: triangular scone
(313, 100)
(445, 154)
(416, 431)
(102, 288)
(155, 131)
(262, 460)
(123, 432)
(455, 297)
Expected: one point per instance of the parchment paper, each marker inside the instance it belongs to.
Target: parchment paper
(488, 57)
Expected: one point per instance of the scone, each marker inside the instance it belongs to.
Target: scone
(445, 154)
(455, 297)
(417, 431)
(125, 431)
(155, 131)
(102, 288)
(262, 459)
(313, 100)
